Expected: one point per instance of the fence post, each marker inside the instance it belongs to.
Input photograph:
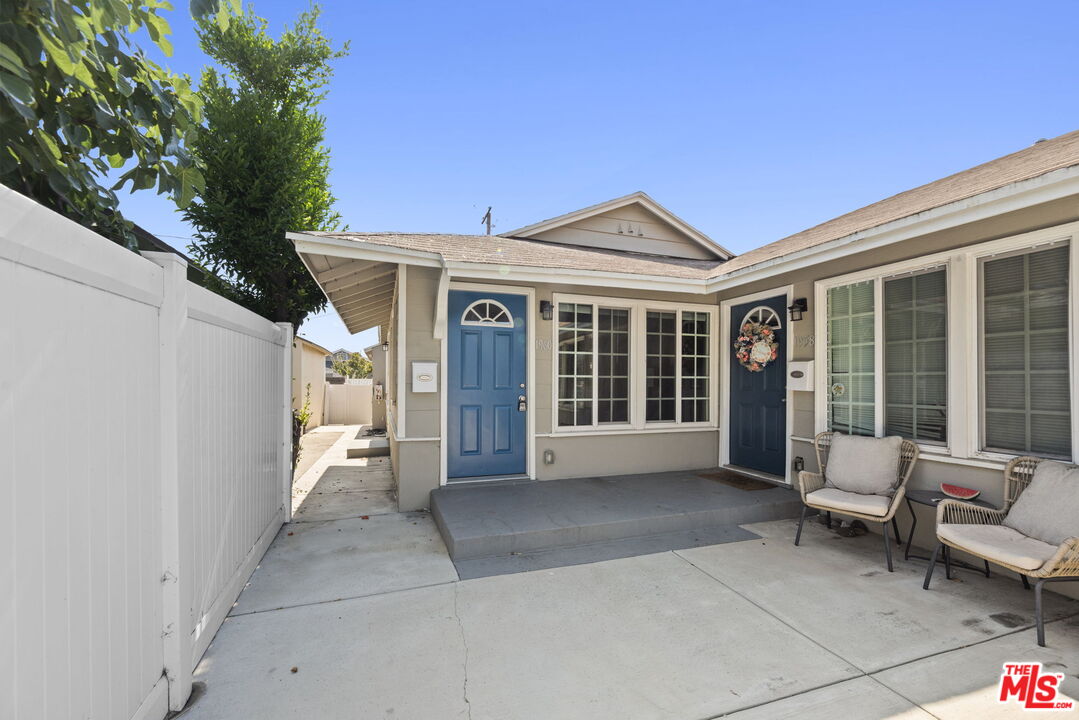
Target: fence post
(175, 503)
(286, 412)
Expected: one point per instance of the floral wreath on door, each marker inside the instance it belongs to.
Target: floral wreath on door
(756, 346)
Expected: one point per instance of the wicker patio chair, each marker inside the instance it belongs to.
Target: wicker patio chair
(1063, 566)
(810, 482)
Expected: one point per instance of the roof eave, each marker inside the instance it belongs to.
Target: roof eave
(1054, 185)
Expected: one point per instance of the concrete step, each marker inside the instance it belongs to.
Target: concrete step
(479, 521)
(368, 447)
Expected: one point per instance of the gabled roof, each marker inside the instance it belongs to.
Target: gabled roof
(638, 198)
(1042, 157)
(498, 250)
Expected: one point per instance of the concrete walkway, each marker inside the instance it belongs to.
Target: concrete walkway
(336, 486)
(373, 624)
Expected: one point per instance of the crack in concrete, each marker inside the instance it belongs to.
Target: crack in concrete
(464, 644)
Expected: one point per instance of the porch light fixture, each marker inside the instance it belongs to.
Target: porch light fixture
(546, 310)
(385, 346)
(799, 306)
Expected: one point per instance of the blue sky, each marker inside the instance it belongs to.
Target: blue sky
(749, 120)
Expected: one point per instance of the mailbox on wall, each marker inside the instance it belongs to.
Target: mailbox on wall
(424, 377)
(800, 375)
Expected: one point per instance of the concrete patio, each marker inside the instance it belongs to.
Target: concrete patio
(365, 618)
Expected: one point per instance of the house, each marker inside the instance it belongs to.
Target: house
(309, 376)
(600, 342)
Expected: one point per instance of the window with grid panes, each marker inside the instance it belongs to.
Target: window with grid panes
(612, 365)
(575, 364)
(661, 354)
(695, 360)
(916, 356)
(851, 347)
(1024, 334)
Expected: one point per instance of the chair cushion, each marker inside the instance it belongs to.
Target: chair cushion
(999, 543)
(843, 501)
(1048, 509)
(863, 465)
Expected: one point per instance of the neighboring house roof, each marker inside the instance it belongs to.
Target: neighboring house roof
(315, 345)
(640, 199)
(1040, 158)
(498, 250)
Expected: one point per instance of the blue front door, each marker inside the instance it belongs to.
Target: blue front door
(758, 422)
(486, 412)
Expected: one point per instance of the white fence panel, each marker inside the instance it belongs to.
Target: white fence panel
(233, 394)
(98, 525)
(349, 404)
(80, 561)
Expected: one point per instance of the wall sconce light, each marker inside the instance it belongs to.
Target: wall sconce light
(546, 310)
(799, 306)
(385, 346)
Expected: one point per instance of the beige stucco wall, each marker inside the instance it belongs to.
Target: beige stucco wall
(309, 367)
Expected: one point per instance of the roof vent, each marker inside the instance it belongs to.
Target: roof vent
(1040, 140)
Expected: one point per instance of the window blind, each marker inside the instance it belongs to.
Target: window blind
(1025, 383)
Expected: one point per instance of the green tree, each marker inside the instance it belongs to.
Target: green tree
(78, 98)
(265, 165)
(357, 366)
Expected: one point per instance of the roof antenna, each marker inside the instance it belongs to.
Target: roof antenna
(487, 219)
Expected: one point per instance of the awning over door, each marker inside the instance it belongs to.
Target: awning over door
(360, 290)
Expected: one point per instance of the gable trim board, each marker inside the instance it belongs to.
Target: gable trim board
(639, 198)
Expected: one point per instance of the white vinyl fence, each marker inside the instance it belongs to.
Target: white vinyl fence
(144, 468)
(349, 404)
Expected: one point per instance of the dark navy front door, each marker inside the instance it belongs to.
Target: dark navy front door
(487, 359)
(758, 422)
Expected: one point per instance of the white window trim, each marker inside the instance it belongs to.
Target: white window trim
(964, 355)
(637, 313)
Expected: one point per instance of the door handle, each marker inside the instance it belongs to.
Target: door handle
(522, 403)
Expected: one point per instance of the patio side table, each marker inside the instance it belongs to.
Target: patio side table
(931, 498)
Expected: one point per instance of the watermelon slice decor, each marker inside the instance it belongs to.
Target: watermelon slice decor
(961, 493)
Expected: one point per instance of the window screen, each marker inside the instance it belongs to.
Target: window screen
(1025, 384)
(916, 357)
(851, 359)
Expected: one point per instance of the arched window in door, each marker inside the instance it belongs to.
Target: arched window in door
(487, 312)
(764, 315)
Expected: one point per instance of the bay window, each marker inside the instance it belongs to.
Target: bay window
(970, 353)
(632, 364)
